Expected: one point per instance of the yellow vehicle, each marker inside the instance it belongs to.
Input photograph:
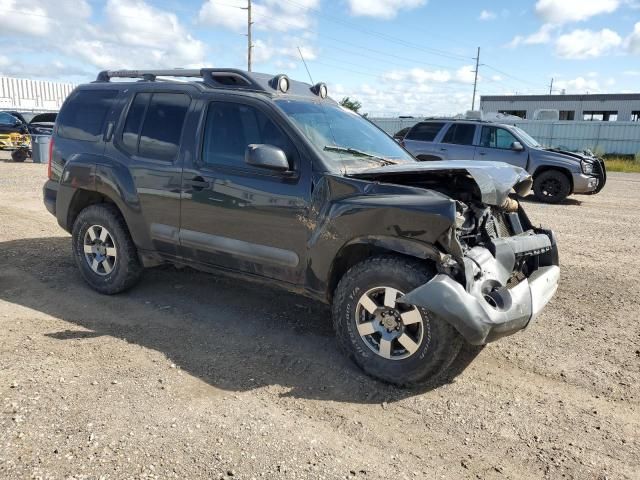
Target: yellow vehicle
(14, 133)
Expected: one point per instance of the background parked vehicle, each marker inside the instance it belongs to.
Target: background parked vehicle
(14, 133)
(556, 173)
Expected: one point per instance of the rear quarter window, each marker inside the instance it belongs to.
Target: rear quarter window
(425, 132)
(84, 114)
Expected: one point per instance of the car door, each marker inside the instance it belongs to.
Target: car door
(497, 144)
(147, 144)
(457, 143)
(419, 141)
(241, 217)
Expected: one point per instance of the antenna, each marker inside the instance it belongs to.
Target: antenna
(305, 65)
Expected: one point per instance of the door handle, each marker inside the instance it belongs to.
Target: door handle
(443, 149)
(482, 153)
(198, 183)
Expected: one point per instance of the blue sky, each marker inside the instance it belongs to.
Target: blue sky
(395, 56)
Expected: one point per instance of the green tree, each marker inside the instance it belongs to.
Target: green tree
(354, 105)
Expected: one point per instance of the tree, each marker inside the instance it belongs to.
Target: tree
(354, 105)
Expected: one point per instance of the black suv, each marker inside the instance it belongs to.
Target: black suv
(267, 177)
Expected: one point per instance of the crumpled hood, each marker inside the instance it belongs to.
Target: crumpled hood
(494, 179)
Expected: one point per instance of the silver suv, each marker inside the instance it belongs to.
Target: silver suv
(556, 173)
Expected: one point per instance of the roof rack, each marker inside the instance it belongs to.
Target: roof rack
(214, 77)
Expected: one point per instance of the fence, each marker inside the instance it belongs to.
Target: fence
(604, 137)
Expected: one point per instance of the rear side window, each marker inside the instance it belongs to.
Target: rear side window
(83, 115)
(425, 132)
(153, 126)
(131, 130)
(460, 134)
(231, 127)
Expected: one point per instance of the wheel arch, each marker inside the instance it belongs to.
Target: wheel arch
(362, 248)
(546, 168)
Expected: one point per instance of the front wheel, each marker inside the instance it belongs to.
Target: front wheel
(104, 251)
(551, 186)
(400, 344)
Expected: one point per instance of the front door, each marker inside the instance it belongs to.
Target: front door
(237, 216)
(496, 145)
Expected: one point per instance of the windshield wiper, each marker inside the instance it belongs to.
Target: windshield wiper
(359, 153)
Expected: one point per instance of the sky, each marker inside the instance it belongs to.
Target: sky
(397, 57)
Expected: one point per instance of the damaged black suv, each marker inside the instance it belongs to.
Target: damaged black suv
(267, 177)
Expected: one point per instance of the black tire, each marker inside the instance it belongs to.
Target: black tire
(126, 268)
(440, 343)
(551, 186)
(19, 155)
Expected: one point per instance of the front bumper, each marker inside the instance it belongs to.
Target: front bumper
(591, 184)
(487, 308)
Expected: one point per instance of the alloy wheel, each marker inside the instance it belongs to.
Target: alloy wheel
(390, 329)
(100, 250)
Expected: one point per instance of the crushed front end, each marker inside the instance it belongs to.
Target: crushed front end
(508, 272)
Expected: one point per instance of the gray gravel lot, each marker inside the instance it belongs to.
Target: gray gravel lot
(194, 376)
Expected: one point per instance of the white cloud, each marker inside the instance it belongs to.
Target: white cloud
(487, 15)
(566, 11)
(267, 15)
(132, 34)
(418, 75)
(40, 18)
(633, 41)
(466, 74)
(543, 35)
(385, 9)
(578, 85)
(587, 43)
(284, 56)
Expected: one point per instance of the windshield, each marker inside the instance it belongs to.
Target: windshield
(526, 138)
(344, 137)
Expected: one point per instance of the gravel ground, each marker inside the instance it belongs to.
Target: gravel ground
(194, 376)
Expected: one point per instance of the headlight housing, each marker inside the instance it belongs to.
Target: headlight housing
(587, 167)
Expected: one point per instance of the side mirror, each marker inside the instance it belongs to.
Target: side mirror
(266, 156)
(517, 146)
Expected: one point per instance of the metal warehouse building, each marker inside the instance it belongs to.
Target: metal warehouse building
(623, 107)
(37, 95)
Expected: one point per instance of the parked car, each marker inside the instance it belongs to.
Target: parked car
(556, 173)
(14, 133)
(37, 123)
(271, 180)
(400, 134)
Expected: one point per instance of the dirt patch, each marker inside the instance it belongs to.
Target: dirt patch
(194, 376)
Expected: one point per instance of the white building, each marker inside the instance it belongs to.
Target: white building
(39, 95)
(621, 107)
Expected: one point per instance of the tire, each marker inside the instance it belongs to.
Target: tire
(19, 155)
(122, 269)
(551, 186)
(431, 353)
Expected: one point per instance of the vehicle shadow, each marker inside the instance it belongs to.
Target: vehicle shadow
(232, 334)
(566, 201)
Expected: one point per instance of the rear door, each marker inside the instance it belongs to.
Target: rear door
(420, 140)
(496, 144)
(146, 143)
(458, 142)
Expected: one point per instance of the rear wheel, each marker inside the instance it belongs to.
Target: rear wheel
(104, 251)
(391, 341)
(551, 186)
(20, 155)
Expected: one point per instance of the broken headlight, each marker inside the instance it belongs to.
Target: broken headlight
(587, 167)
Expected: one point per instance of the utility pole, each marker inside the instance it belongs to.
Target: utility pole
(475, 82)
(551, 87)
(249, 42)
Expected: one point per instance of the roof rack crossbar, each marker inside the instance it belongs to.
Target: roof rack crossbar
(107, 75)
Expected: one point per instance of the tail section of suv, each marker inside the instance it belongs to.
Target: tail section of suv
(271, 180)
(556, 173)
